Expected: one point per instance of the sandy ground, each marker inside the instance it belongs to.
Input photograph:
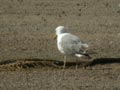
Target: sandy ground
(28, 51)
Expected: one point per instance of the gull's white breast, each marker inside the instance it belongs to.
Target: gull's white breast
(59, 41)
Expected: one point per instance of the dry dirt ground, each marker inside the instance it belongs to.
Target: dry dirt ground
(28, 53)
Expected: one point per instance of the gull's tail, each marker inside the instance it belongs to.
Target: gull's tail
(84, 55)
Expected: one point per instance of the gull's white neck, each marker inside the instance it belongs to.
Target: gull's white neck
(60, 33)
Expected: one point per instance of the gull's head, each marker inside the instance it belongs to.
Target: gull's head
(59, 30)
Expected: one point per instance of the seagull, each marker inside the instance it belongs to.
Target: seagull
(70, 45)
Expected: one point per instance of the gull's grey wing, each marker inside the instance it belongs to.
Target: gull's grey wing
(71, 44)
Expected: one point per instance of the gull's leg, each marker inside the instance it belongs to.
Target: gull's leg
(76, 64)
(64, 62)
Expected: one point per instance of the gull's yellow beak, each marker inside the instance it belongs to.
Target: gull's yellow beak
(55, 36)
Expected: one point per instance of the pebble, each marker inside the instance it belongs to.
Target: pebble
(118, 34)
(119, 5)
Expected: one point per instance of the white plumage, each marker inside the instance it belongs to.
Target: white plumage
(69, 44)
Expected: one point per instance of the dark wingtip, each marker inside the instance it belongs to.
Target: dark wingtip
(87, 56)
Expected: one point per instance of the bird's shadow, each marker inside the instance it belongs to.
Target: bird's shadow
(49, 62)
(97, 61)
(103, 61)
